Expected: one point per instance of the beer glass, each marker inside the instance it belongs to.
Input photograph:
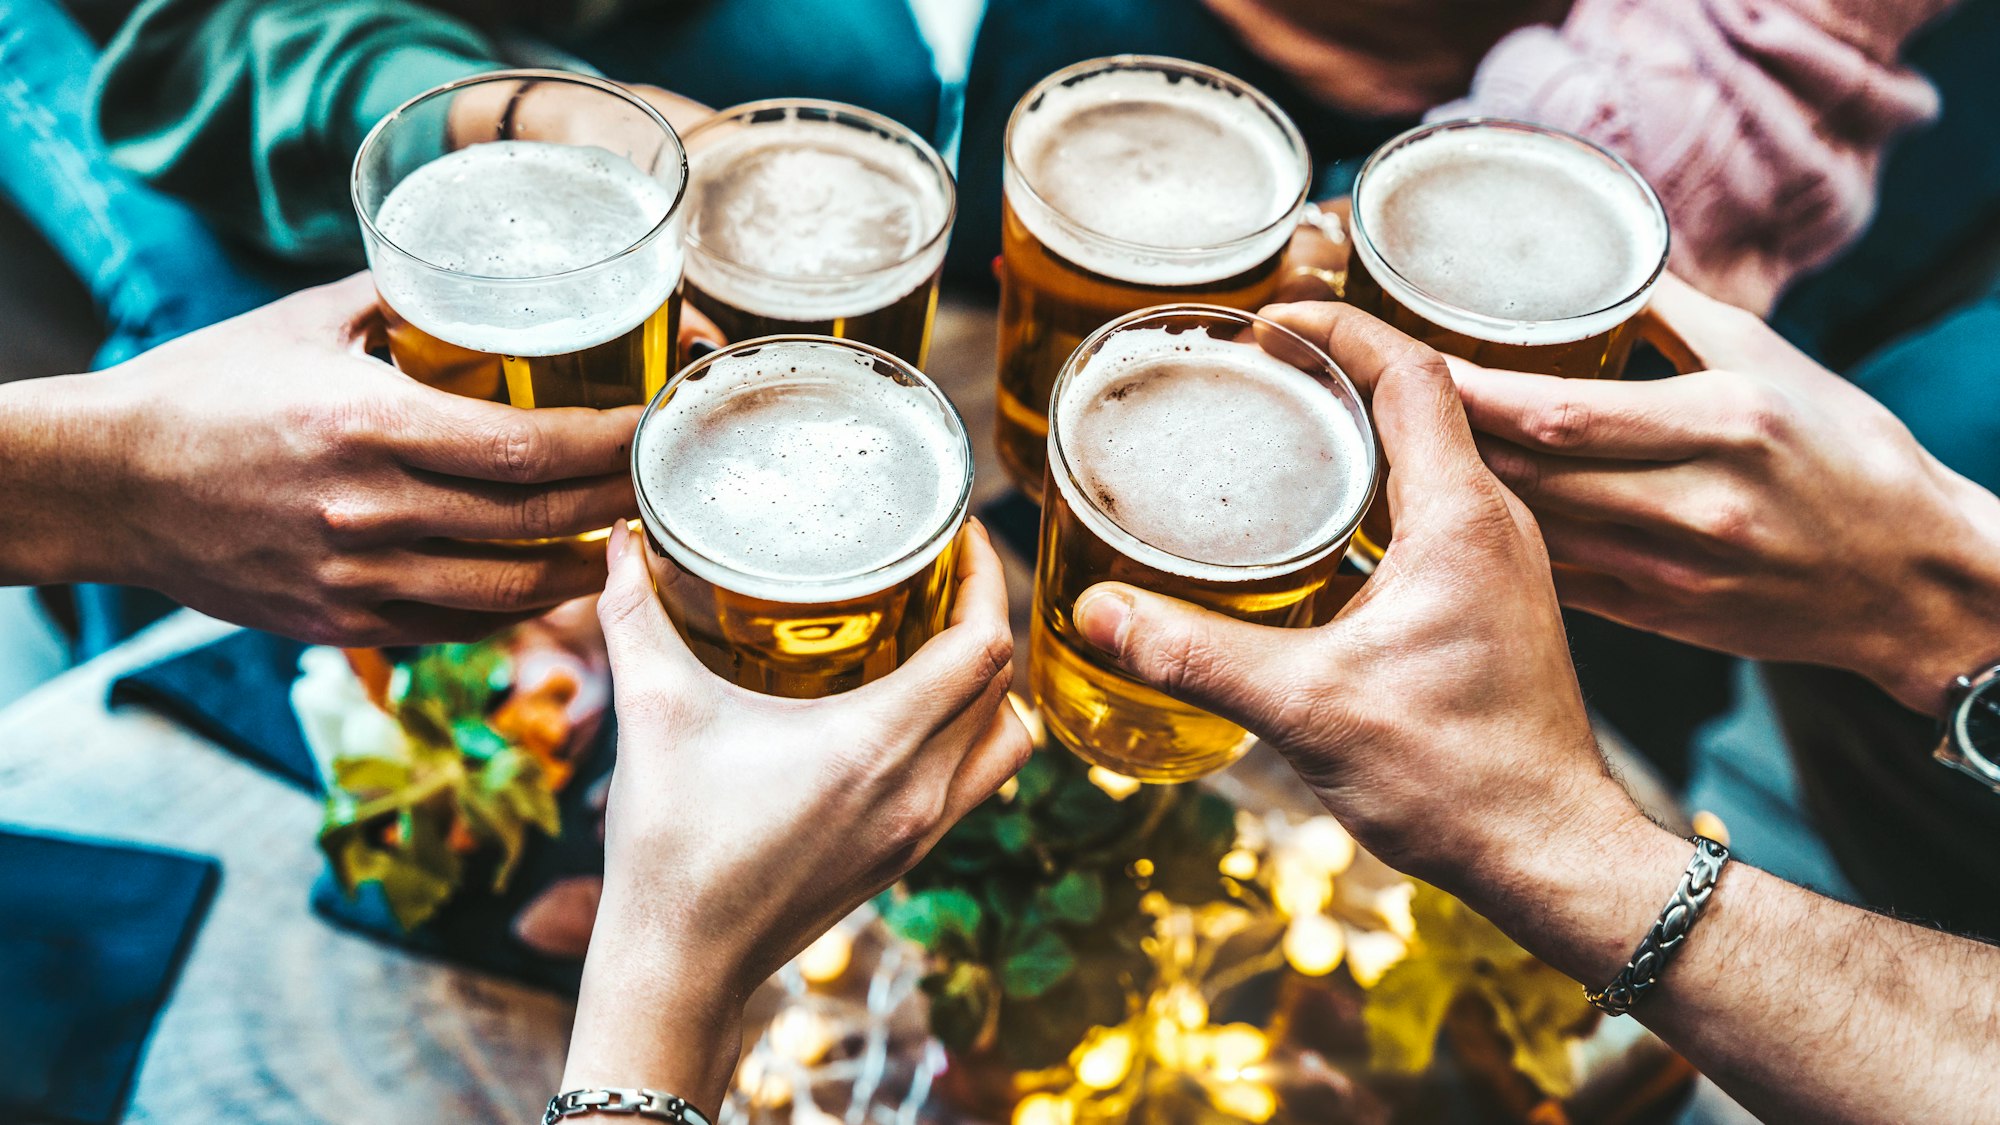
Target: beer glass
(803, 497)
(1131, 181)
(1508, 244)
(525, 232)
(1206, 454)
(816, 217)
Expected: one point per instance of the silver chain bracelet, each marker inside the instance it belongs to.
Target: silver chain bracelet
(1664, 940)
(623, 1103)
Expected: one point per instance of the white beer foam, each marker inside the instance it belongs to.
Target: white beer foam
(803, 462)
(1168, 166)
(507, 222)
(1208, 458)
(1513, 237)
(839, 221)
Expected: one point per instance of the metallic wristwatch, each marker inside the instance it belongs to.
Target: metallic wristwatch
(1971, 740)
(649, 1104)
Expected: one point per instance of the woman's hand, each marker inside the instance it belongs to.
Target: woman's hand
(742, 826)
(1761, 505)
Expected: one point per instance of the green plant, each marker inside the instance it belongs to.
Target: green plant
(1030, 906)
(410, 813)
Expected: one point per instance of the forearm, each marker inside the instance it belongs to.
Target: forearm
(59, 435)
(649, 1017)
(1802, 1008)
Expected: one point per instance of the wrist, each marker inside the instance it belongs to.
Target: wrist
(1580, 895)
(660, 1007)
(1950, 625)
(66, 438)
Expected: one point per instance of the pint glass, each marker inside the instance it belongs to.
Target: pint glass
(524, 229)
(816, 217)
(1206, 454)
(1508, 244)
(802, 496)
(1131, 181)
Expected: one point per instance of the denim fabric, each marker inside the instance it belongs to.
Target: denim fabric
(155, 269)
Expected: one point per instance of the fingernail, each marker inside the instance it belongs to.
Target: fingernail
(621, 536)
(1101, 617)
(700, 348)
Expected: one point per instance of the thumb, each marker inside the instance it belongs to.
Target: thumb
(646, 650)
(1245, 673)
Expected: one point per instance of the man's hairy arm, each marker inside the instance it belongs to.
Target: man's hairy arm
(1801, 1007)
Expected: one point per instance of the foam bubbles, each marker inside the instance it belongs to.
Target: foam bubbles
(505, 224)
(839, 220)
(1171, 165)
(803, 462)
(1509, 225)
(1210, 454)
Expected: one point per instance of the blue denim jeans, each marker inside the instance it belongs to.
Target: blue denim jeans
(154, 267)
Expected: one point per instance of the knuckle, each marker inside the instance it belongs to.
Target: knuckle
(1563, 425)
(516, 587)
(344, 578)
(536, 514)
(1728, 520)
(517, 450)
(347, 519)
(1176, 660)
(995, 653)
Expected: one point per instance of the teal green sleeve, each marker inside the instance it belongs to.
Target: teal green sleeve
(252, 109)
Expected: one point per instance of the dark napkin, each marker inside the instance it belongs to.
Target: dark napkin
(92, 936)
(236, 692)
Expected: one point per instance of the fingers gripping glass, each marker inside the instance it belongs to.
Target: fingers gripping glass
(1205, 454)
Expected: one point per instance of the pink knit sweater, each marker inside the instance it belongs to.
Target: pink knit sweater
(1760, 122)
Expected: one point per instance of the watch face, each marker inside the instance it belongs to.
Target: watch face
(1979, 723)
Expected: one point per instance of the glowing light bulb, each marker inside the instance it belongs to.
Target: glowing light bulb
(1299, 885)
(1116, 784)
(802, 1034)
(1104, 1058)
(1044, 1109)
(1187, 1007)
(1325, 843)
(1371, 953)
(1234, 1048)
(1143, 868)
(1314, 944)
(1248, 1101)
(1240, 864)
(826, 959)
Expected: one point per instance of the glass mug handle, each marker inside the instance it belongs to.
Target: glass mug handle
(1313, 221)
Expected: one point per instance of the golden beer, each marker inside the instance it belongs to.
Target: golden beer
(1129, 182)
(811, 217)
(803, 497)
(1208, 455)
(536, 263)
(1507, 244)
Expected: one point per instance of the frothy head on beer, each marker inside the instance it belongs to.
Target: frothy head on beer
(1509, 223)
(847, 206)
(1159, 156)
(497, 242)
(1209, 455)
(802, 461)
